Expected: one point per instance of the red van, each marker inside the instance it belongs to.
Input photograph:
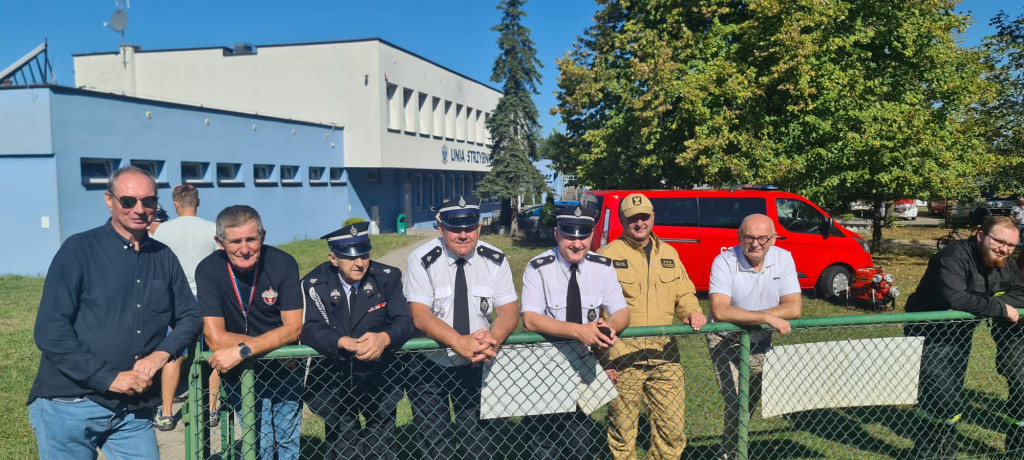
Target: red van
(701, 224)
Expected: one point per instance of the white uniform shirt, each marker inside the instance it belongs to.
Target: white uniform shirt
(546, 281)
(430, 280)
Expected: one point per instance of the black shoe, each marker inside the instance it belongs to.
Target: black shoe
(181, 398)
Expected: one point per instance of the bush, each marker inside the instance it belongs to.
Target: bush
(352, 220)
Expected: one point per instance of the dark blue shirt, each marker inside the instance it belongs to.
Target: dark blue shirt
(104, 307)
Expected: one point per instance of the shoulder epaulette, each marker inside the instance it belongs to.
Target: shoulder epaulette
(599, 259)
(492, 255)
(542, 261)
(430, 257)
(385, 270)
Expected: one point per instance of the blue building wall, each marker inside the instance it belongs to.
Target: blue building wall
(45, 132)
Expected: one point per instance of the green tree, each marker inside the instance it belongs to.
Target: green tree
(1003, 116)
(832, 99)
(513, 124)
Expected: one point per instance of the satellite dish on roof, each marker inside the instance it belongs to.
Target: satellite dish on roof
(119, 20)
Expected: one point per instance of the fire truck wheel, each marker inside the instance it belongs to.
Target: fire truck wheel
(833, 282)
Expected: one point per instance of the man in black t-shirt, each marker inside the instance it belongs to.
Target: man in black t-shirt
(251, 303)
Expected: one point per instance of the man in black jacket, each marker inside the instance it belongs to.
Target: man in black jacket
(975, 276)
(356, 316)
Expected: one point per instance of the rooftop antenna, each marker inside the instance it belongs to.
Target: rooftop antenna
(118, 22)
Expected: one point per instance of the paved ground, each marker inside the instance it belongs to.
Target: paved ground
(172, 443)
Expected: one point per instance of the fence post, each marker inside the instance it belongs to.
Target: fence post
(191, 417)
(743, 428)
(248, 411)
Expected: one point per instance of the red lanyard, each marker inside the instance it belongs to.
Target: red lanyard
(238, 295)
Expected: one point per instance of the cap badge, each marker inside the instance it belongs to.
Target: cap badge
(270, 296)
(353, 232)
(462, 202)
(578, 212)
(637, 200)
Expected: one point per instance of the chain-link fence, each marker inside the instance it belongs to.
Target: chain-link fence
(922, 385)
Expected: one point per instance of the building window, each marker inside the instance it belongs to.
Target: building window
(433, 196)
(425, 114)
(373, 176)
(438, 113)
(263, 174)
(455, 193)
(194, 172)
(410, 109)
(316, 175)
(154, 168)
(449, 120)
(394, 108)
(97, 171)
(290, 175)
(336, 177)
(487, 132)
(460, 122)
(228, 174)
(479, 127)
(471, 124)
(462, 185)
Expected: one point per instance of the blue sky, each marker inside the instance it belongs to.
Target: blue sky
(452, 33)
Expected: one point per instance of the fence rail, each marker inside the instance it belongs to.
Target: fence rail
(839, 366)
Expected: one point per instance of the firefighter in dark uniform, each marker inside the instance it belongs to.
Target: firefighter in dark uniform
(357, 317)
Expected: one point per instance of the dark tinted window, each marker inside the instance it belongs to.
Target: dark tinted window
(797, 216)
(675, 212)
(593, 202)
(728, 212)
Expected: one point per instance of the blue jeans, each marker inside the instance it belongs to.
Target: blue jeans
(279, 419)
(73, 428)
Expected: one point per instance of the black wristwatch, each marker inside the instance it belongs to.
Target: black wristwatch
(244, 351)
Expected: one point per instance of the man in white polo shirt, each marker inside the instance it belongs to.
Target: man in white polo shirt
(752, 283)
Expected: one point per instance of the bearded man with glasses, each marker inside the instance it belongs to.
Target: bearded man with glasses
(976, 276)
(753, 283)
(109, 297)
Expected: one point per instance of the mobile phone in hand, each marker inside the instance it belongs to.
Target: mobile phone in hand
(607, 331)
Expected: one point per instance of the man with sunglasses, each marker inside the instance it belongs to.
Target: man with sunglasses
(454, 284)
(109, 296)
(753, 283)
(567, 292)
(658, 291)
(251, 303)
(357, 317)
(977, 276)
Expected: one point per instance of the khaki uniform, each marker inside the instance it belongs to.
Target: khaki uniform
(649, 368)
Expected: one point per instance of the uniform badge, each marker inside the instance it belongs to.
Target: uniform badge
(353, 232)
(387, 270)
(668, 263)
(462, 202)
(484, 306)
(620, 263)
(637, 200)
(312, 281)
(335, 295)
(578, 212)
(270, 296)
(591, 315)
(368, 288)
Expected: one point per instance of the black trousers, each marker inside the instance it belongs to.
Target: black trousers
(560, 436)
(430, 387)
(341, 391)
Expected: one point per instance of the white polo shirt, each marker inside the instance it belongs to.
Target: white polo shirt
(749, 289)
(430, 280)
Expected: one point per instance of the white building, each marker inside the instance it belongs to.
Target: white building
(414, 131)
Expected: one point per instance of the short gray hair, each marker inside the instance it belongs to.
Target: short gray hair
(237, 216)
(125, 170)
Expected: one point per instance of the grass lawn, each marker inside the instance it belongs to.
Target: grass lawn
(854, 433)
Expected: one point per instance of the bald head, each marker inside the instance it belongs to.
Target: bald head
(756, 236)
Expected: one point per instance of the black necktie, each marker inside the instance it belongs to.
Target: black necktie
(574, 310)
(351, 300)
(461, 320)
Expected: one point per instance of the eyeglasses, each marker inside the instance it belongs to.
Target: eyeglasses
(128, 202)
(762, 240)
(998, 243)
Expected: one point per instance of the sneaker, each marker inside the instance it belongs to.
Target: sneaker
(164, 422)
(181, 398)
(214, 421)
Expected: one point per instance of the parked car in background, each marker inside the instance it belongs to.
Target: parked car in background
(939, 207)
(974, 213)
(529, 217)
(905, 209)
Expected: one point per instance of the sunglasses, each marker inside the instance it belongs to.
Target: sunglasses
(128, 202)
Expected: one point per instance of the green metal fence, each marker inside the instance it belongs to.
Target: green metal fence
(835, 387)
